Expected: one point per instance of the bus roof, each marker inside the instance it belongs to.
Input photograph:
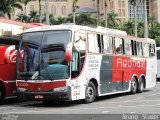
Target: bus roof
(76, 27)
(108, 31)
(29, 25)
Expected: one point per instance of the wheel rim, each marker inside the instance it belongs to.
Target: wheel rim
(90, 93)
(134, 85)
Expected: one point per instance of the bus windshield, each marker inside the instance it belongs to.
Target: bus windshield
(42, 56)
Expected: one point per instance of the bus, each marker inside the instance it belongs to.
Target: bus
(9, 38)
(158, 63)
(72, 62)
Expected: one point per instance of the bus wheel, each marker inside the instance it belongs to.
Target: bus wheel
(2, 95)
(141, 85)
(134, 85)
(90, 93)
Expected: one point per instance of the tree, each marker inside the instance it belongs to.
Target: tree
(25, 2)
(8, 6)
(113, 21)
(33, 16)
(86, 19)
(22, 18)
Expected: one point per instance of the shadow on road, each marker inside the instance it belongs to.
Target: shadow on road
(61, 103)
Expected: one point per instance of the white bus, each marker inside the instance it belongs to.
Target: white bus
(71, 62)
(158, 63)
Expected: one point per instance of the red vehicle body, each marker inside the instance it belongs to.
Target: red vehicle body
(9, 38)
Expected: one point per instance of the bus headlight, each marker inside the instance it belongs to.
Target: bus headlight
(22, 89)
(61, 89)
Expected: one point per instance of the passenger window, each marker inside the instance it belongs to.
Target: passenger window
(145, 48)
(128, 47)
(118, 46)
(107, 44)
(93, 43)
(152, 49)
(139, 49)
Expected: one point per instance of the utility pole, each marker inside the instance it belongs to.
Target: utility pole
(98, 14)
(74, 10)
(145, 20)
(40, 14)
(134, 3)
(105, 12)
(47, 13)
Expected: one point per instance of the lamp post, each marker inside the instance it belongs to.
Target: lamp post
(145, 20)
(134, 3)
(105, 4)
(47, 13)
(98, 14)
(74, 10)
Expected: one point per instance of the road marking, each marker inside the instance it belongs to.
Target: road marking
(105, 112)
(154, 94)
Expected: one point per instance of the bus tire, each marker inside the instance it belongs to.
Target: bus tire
(2, 94)
(141, 85)
(134, 85)
(90, 93)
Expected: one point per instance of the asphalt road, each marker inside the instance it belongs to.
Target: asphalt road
(147, 102)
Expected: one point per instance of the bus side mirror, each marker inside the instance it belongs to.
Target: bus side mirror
(68, 54)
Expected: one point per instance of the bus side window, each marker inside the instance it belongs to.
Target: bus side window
(145, 49)
(93, 46)
(134, 48)
(107, 45)
(99, 42)
(139, 48)
(152, 50)
(128, 47)
(118, 46)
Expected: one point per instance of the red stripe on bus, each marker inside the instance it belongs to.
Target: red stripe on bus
(44, 86)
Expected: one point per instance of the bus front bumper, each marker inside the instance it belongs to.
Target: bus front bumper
(45, 96)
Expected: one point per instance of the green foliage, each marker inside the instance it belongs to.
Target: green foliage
(8, 6)
(153, 28)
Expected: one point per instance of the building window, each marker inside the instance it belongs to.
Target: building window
(63, 10)
(123, 12)
(42, 9)
(119, 12)
(123, 4)
(119, 3)
(53, 10)
(31, 7)
(111, 5)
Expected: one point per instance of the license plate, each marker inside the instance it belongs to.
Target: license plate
(38, 96)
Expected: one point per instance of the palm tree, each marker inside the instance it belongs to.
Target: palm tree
(25, 2)
(112, 20)
(22, 18)
(33, 16)
(8, 6)
(86, 19)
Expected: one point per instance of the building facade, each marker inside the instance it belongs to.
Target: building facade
(123, 8)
